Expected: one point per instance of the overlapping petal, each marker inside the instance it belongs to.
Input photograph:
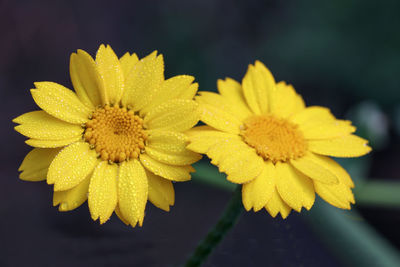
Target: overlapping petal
(60, 102)
(170, 172)
(103, 194)
(276, 205)
(161, 191)
(345, 146)
(296, 189)
(86, 79)
(143, 82)
(174, 115)
(258, 87)
(35, 165)
(258, 192)
(111, 73)
(176, 87)
(132, 191)
(73, 164)
(40, 125)
(72, 198)
(286, 102)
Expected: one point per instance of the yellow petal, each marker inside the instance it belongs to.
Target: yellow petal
(258, 85)
(286, 101)
(174, 115)
(184, 158)
(219, 119)
(128, 62)
(143, 83)
(102, 196)
(173, 173)
(232, 91)
(86, 80)
(40, 125)
(312, 114)
(72, 198)
(52, 143)
(60, 102)
(170, 148)
(73, 164)
(36, 163)
(202, 138)
(338, 195)
(110, 71)
(296, 189)
(120, 216)
(315, 167)
(345, 147)
(258, 192)
(219, 102)
(276, 204)
(338, 170)
(132, 191)
(239, 161)
(326, 129)
(175, 87)
(161, 191)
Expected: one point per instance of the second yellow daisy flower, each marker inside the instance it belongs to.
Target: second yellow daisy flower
(117, 140)
(262, 136)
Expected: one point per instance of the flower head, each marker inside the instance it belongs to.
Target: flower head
(117, 140)
(262, 136)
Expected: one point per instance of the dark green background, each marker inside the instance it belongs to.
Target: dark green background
(335, 53)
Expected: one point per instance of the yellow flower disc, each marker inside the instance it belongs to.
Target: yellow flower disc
(274, 138)
(116, 133)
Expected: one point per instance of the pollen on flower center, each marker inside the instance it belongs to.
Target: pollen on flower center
(116, 133)
(274, 139)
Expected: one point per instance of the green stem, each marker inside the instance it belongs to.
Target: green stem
(225, 223)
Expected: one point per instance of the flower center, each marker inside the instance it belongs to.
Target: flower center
(274, 138)
(115, 133)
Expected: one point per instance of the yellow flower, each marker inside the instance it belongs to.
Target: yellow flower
(117, 140)
(262, 136)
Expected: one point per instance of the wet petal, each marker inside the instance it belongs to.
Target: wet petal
(346, 146)
(161, 191)
(52, 143)
(296, 189)
(128, 62)
(232, 91)
(103, 191)
(60, 102)
(132, 191)
(258, 192)
(72, 198)
(174, 115)
(286, 101)
(176, 87)
(143, 82)
(258, 85)
(173, 173)
(73, 164)
(86, 80)
(40, 125)
(314, 167)
(111, 73)
(276, 205)
(36, 163)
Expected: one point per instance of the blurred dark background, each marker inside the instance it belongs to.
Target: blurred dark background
(336, 53)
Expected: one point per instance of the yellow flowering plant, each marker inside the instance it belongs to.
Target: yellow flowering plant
(117, 140)
(261, 134)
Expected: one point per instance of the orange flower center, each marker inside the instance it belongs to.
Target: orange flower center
(273, 138)
(116, 133)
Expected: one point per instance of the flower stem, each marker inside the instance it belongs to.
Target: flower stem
(228, 219)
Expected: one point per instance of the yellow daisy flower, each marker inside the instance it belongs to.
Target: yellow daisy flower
(117, 140)
(262, 136)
